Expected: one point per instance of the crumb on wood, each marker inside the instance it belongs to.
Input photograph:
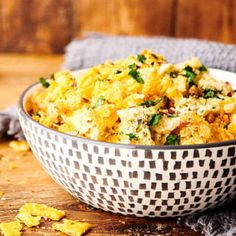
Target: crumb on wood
(11, 228)
(11, 166)
(72, 227)
(19, 146)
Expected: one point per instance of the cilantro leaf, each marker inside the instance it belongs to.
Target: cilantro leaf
(154, 120)
(210, 93)
(202, 68)
(190, 74)
(135, 74)
(173, 115)
(172, 139)
(149, 103)
(132, 136)
(132, 66)
(99, 102)
(141, 58)
(44, 82)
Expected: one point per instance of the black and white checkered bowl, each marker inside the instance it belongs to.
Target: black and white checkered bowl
(135, 180)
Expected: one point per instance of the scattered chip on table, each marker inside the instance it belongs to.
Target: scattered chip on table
(42, 210)
(11, 166)
(11, 228)
(19, 146)
(28, 219)
(72, 227)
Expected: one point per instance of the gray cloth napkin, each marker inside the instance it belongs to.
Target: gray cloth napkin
(10, 125)
(98, 48)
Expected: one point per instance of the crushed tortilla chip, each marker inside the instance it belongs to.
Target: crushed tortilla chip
(11, 166)
(19, 146)
(72, 227)
(1, 193)
(42, 210)
(29, 220)
(11, 228)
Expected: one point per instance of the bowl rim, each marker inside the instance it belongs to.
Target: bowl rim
(21, 110)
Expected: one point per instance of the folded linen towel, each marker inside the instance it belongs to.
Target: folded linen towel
(98, 48)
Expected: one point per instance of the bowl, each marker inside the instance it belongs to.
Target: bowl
(140, 180)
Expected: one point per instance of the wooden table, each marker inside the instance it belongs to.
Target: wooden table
(29, 183)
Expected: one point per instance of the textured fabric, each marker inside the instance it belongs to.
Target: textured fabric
(10, 125)
(218, 222)
(97, 48)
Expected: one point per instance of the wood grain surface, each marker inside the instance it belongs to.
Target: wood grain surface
(46, 26)
(133, 17)
(35, 25)
(214, 20)
(28, 182)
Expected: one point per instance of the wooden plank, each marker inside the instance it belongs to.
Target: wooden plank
(133, 17)
(29, 183)
(212, 19)
(39, 26)
(1, 30)
(19, 71)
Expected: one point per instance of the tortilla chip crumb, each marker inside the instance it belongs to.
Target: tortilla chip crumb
(19, 146)
(72, 227)
(29, 220)
(42, 210)
(11, 228)
(11, 166)
(1, 193)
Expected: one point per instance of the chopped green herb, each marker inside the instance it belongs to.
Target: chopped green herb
(173, 115)
(149, 103)
(172, 139)
(99, 102)
(132, 66)
(226, 126)
(173, 74)
(44, 82)
(209, 93)
(154, 120)
(141, 58)
(235, 91)
(135, 74)
(132, 136)
(118, 72)
(190, 74)
(202, 68)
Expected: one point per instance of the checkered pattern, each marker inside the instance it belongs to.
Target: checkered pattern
(141, 182)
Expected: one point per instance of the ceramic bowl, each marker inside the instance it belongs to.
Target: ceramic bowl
(154, 181)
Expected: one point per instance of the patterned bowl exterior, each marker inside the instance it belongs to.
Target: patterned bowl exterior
(152, 181)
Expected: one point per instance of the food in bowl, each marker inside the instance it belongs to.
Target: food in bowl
(141, 180)
(138, 100)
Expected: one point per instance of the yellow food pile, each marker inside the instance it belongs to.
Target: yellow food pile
(138, 100)
(31, 214)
